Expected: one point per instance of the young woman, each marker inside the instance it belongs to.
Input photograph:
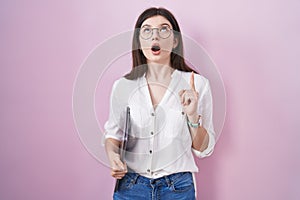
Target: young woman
(170, 113)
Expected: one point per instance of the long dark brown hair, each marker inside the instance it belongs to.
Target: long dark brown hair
(139, 61)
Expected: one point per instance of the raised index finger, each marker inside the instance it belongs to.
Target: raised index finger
(192, 82)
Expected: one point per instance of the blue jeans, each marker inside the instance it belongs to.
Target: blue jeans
(175, 186)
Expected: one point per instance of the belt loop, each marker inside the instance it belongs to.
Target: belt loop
(169, 182)
(134, 178)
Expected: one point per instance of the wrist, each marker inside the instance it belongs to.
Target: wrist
(194, 118)
(195, 123)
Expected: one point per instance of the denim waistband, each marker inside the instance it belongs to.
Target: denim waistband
(168, 180)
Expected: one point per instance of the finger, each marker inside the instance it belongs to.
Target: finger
(188, 97)
(119, 165)
(118, 173)
(181, 92)
(182, 97)
(115, 172)
(192, 82)
(118, 170)
(187, 101)
(118, 176)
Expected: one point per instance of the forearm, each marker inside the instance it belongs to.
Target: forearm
(118, 168)
(112, 147)
(199, 135)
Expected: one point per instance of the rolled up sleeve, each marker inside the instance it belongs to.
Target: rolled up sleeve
(113, 127)
(205, 109)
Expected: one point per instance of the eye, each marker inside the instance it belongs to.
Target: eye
(164, 29)
(146, 30)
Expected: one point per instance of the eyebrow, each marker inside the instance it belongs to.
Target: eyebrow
(163, 24)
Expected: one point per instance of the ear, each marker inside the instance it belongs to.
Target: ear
(175, 42)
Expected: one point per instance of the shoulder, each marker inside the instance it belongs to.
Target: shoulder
(124, 85)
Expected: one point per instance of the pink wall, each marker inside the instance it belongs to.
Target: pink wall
(255, 45)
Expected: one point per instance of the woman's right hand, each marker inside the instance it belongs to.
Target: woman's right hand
(118, 168)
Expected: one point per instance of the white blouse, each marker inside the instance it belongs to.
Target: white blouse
(160, 142)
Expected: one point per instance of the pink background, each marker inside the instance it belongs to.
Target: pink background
(255, 45)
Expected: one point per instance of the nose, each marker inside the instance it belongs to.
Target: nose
(155, 35)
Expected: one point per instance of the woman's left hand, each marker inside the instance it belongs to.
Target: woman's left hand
(189, 100)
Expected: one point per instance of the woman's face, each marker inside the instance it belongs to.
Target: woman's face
(157, 39)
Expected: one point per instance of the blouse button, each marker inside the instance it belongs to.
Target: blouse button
(148, 170)
(152, 114)
(152, 133)
(182, 113)
(150, 151)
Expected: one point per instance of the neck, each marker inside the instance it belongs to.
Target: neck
(157, 71)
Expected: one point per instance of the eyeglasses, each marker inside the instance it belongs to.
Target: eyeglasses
(163, 32)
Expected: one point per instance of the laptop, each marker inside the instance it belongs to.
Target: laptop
(123, 145)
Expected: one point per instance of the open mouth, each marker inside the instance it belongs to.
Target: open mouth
(155, 49)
